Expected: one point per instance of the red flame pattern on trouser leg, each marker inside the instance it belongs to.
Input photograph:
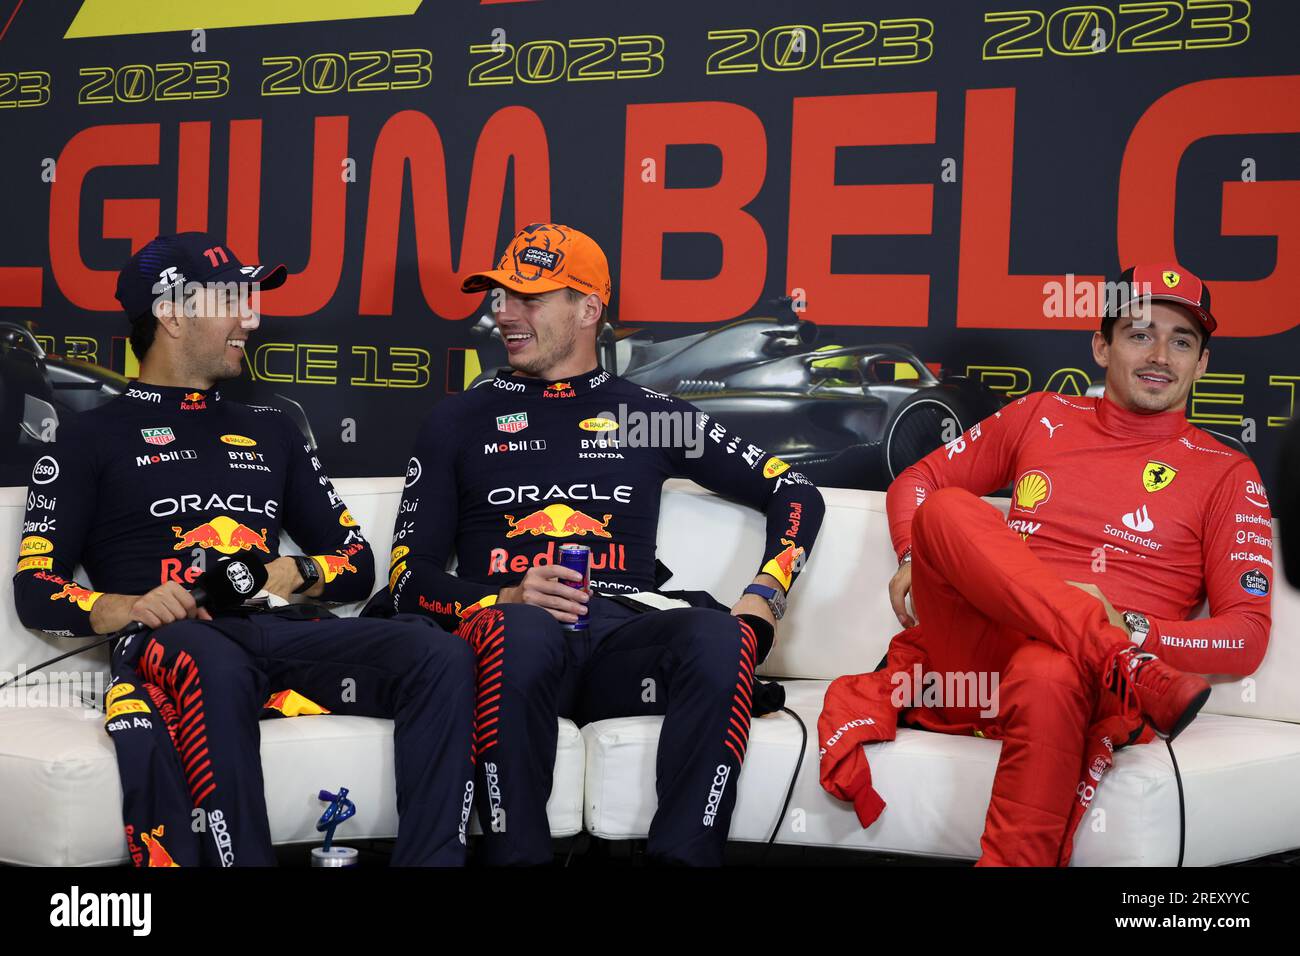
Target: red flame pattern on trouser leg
(182, 688)
(204, 694)
(693, 666)
(521, 652)
(485, 633)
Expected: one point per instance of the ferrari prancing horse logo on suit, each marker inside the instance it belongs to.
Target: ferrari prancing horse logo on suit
(1157, 475)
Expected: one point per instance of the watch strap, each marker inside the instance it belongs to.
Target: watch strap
(309, 570)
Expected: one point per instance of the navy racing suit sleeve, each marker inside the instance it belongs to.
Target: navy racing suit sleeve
(61, 502)
(319, 522)
(724, 462)
(424, 533)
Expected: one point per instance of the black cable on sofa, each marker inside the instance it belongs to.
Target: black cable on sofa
(1182, 809)
(794, 777)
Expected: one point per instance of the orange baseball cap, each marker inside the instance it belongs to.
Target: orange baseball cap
(545, 256)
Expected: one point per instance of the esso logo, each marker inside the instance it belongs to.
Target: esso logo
(45, 470)
(413, 471)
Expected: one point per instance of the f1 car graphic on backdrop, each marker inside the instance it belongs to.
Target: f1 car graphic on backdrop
(38, 389)
(846, 416)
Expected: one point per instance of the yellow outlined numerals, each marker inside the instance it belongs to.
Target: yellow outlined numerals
(29, 88)
(835, 46)
(360, 71)
(1238, 15)
(582, 68)
(722, 61)
(577, 60)
(154, 83)
(408, 366)
(1024, 23)
(1145, 27)
(1133, 38)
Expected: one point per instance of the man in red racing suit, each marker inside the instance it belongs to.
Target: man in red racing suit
(1118, 496)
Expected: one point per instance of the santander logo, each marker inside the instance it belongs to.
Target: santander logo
(1139, 520)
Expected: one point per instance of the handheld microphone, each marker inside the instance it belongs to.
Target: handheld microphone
(232, 582)
(223, 588)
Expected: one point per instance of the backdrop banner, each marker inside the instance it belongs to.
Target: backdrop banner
(953, 178)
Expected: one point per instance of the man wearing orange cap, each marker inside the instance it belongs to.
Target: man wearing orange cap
(548, 454)
(1119, 496)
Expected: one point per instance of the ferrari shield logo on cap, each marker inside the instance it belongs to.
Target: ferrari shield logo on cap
(1171, 278)
(1157, 475)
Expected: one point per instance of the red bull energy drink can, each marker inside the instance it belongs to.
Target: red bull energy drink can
(577, 557)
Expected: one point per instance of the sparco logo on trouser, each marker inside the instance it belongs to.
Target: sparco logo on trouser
(221, 837)
(715, 794)
(467, 803)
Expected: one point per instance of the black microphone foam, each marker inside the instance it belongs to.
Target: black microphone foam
(229, 584)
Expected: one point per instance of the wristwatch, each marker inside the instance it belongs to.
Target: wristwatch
(774, 597)
(1138, 625)
(309, 570)
(905, 557)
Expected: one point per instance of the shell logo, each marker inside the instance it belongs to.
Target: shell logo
(598, 425)
(239, 440)
(1033, 488)
(774, 467)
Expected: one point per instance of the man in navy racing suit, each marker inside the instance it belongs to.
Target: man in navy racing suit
(161, 483)
(562, 451)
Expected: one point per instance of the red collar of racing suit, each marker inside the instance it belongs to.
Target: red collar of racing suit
(1118, 420)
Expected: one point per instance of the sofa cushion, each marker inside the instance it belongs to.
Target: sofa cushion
(63, 798)
(1240, 777)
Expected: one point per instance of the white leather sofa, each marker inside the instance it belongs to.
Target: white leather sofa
(1240, 759)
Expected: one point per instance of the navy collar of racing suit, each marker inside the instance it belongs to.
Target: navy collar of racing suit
(172, 397)
(570, 387)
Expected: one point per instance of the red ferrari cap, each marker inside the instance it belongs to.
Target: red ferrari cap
(1166, 282)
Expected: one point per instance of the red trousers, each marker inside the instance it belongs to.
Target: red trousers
(986, 603)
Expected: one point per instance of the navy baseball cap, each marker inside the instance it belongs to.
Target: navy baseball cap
(185, 257)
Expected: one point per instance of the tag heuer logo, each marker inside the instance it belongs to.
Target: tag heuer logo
(1171, 278)
(157, 436)
(510, 424)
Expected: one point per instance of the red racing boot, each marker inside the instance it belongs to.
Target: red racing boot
(1169, 699)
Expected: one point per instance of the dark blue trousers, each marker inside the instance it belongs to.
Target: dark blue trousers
(694, 666)
(183, 713)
